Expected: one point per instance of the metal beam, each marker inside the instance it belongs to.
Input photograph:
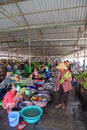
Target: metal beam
(22, 16)
(45, 26)
(5, 2)
(45, 40)
(55, 10)
(47, 46)
(21, 12)
(8, 15)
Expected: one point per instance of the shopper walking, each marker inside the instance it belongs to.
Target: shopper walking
(63, 85)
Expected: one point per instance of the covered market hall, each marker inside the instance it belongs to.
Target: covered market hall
(43, 64)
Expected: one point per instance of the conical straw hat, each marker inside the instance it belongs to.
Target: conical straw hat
(61, 66)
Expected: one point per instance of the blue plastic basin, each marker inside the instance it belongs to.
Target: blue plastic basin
(31, 114)
(31, 87)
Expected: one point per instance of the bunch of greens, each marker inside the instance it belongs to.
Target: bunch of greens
(35, 64)
(83, 75)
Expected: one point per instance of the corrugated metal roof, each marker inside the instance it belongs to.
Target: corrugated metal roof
(49, 22)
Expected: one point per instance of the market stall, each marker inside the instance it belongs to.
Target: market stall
(81, 89)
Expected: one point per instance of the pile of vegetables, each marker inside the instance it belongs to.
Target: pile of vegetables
(36, 98)
(84, 84)
(40, 76)
(35, 64)
(22, 82)
(83, 78)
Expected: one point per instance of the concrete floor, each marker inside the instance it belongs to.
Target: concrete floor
(62, 119)
(54, 119)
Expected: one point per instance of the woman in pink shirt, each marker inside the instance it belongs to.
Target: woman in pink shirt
(63, 85)
(10, 99)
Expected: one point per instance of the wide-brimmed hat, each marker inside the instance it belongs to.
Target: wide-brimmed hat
(61, 66)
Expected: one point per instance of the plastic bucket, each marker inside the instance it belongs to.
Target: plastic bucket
(13, 118)
(28, 70)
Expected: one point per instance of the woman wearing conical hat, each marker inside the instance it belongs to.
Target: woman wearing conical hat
(63, 85)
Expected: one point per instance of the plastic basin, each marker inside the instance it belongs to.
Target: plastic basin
(31, 87)
(25, 103)
(31, 114)
(41, 104)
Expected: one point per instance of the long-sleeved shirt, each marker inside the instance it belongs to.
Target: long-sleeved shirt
(8, 99)
(67, 83)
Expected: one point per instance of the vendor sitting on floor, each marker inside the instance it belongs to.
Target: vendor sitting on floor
(11, 99)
